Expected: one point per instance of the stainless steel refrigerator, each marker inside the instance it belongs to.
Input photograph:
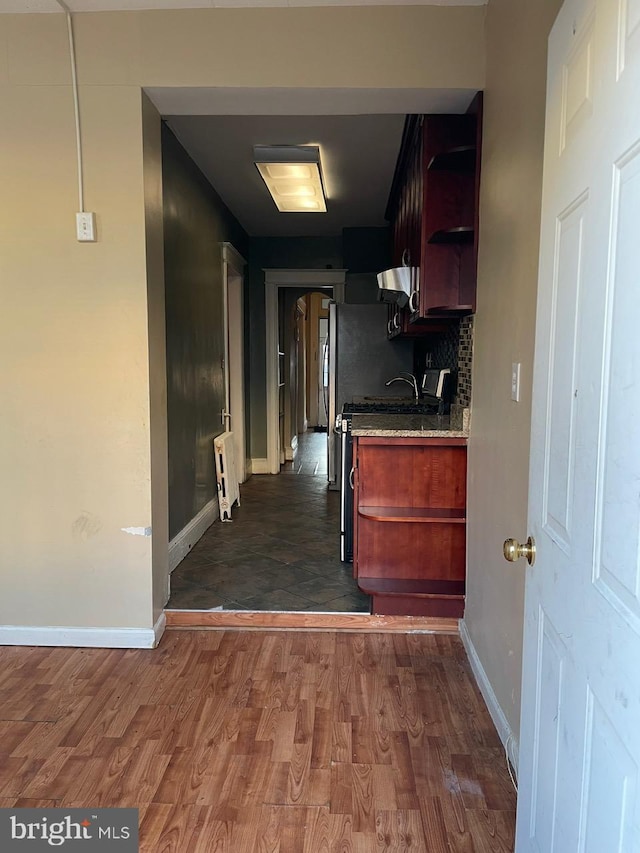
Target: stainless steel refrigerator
(361, 360)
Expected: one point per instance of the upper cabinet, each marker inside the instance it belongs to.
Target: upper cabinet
(433, 210)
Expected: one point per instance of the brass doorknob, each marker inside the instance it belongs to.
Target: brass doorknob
(513, 550)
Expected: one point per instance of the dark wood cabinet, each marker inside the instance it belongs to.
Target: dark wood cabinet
(433, 210)
(410, 524)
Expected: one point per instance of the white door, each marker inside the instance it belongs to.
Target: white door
(323, 371)
(235, 373)
(233, 415)
(580, 724)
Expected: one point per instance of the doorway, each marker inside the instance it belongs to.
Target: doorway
(302, 368)
(330, 281)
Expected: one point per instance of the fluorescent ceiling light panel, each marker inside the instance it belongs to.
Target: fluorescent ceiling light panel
(293, 177)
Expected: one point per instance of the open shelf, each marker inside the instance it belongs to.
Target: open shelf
(415, 597)
(451, 310)
(459, 236)
(459, 159)
(410, 524)
(410, 586)
(422, 515)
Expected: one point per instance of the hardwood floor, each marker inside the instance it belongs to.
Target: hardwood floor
(262, 742)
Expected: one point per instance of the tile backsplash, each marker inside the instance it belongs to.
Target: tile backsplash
(453, 348)
(465, 360)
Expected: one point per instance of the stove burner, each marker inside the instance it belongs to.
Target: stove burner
(389, 408)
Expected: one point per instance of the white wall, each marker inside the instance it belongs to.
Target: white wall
(511, 186)
(74, 420)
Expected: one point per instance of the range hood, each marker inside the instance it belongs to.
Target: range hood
(395, 286)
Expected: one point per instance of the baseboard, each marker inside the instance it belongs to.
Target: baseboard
(101, 638)
(505, 732)
(260, 466)
(184, 541)
(159, 628)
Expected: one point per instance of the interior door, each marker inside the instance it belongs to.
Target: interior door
(235, 372)
(580, 724)
(233, 417)
(323, 371)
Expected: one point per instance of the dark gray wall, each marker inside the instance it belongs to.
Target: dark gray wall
(196, 222)
(366, 251)
(361, 288)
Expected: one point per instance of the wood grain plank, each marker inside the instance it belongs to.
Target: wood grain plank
(321, 743)
(244, 838)
(400, 830)
(259, 620)
(341, 789)
(385, 791)
(492, 831)
(362, 790)
(268, 833)
(341, 750)
(152, 822)
(434, 825)
(27, 803)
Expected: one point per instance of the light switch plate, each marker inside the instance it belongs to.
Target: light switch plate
(515, 381)
(86, 227)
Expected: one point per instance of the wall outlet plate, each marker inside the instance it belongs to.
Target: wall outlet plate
(86, 227)
(515, 381)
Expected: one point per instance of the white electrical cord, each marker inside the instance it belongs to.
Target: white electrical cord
(506, 755)
(74, 83)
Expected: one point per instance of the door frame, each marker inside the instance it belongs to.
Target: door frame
(233, 265)
(273, 280)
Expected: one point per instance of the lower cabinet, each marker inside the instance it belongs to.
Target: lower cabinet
(410, 524)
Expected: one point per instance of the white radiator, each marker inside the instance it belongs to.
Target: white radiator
(228, 488)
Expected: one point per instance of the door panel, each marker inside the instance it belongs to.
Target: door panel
(618, 523)
(629, 33)
(560, 428)
(611, 785)
(577, 86)
(549, 683)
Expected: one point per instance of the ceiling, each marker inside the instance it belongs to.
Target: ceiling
(119, 5)
(358, 156)
(358, 132)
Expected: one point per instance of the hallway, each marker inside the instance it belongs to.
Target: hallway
(281, 550)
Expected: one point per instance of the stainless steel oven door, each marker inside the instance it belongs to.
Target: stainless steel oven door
(346, 492)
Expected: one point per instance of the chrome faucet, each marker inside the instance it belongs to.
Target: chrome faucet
(410, 379)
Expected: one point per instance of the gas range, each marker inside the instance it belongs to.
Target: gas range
(377, 407)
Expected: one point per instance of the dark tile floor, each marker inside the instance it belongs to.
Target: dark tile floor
(280, 552)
